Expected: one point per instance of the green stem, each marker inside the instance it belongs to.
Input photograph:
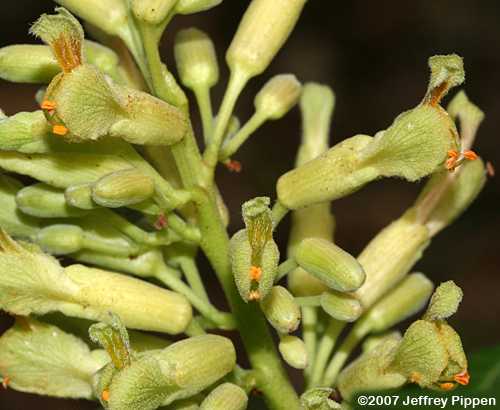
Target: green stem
(192, 275)
(285, 268)
(108, 217)
(188, 232)
(279, 211)
(309, 319)
(204, 102)
(325, 349)
(242, 135)
(357, 333)
(254, 332)
(221, 319)
(237, 82)
(272, 379)
(195, 328)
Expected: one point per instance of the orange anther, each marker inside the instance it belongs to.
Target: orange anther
(233, 166)
(105, 395)
(447, 386)
(255, 273)
(5, 382)
(470, 155)
(490, 169)
(59, 130)
(415, 377)
(254, 295)
(451, 162)
(48, 105)
(462, 378)
(161, 222)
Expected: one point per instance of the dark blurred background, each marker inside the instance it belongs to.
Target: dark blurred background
(374, 55)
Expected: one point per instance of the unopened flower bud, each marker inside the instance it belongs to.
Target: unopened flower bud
(80, 196)
(195, 6)
(319, 398)
(341, 306)
(467, 113)
(35, 283)
(186, 404)
(338, 269)
(262, 32)
(122, 188)
(444, 302)
(409, 297)
(152, 11)
(278, 96)
(336, 173)
(181, 370)
(44, 201)
(27, 63)
(35, 63)
(293, 351)
(371, 372)
(196, 59)
(13, 221)
(227, 396)
(108, 15)
(60, 239)
(62, 169)
(139, 304)
(24, 132)
(281, 310)
(302, 283)
(316, 105)
(31, 349)
(390, 256)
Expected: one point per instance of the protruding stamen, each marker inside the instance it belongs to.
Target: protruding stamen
(447, 386)
(233, 166)
(59, 130)
(105, 395)
(490, 169)
(5, 382)
(255, 273)
(161, 222)
(48, 105)
(451, 162)
(415, 377)
(462, 378)
(470, 155)
(254, 295)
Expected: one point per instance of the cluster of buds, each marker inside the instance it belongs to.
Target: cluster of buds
(121, 188)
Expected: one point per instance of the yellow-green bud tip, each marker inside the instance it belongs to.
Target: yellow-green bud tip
(444, 302)
(196, 59)
(278, 96)
(64, 34)
(447, 71)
